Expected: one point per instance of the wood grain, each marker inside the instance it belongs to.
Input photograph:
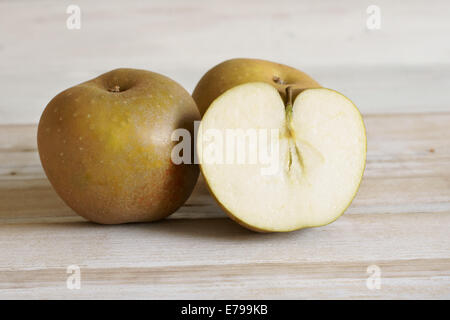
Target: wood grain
(399, 221)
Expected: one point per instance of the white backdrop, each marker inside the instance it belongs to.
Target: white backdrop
(402, 67)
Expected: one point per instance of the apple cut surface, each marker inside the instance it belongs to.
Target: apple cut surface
(311, 177)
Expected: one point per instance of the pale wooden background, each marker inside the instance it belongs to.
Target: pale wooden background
(403, 67)
(399, 76)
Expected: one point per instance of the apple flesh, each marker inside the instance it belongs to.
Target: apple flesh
(319, 163)
(106, 145)
(234, 72)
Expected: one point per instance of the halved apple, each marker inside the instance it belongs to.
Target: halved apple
(308, 167)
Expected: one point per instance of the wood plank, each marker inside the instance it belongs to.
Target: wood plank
(291, 281)
(194, 258)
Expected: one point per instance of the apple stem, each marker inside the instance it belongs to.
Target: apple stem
(289, 95)
(288, 103)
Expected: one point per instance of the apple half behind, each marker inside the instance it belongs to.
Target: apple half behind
(320, 160)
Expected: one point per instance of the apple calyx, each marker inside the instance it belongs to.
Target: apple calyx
(278, 80)
(116, 88)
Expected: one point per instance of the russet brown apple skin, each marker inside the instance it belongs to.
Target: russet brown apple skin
(106, 146)
(234, 72)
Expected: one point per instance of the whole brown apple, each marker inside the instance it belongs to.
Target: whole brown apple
(106, 146)
(234, 72)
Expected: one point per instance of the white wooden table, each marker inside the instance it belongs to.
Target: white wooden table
(399, 222)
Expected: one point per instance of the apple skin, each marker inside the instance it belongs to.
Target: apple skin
(234, 72)
(105, 146)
